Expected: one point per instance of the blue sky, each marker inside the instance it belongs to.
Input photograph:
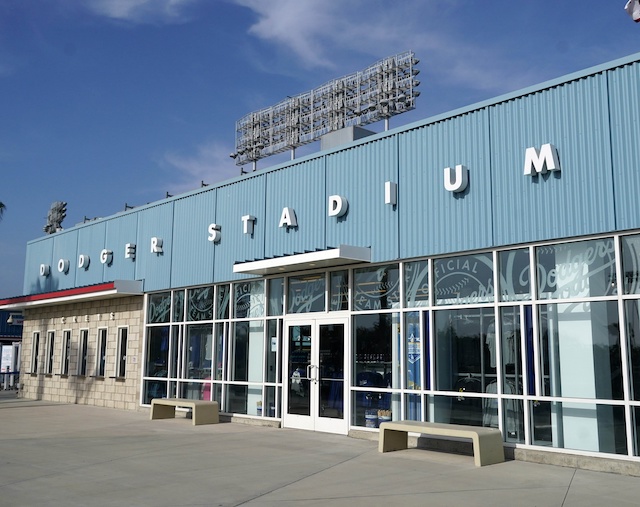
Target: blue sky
(107, 102)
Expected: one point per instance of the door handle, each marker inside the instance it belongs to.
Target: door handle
(309, 370)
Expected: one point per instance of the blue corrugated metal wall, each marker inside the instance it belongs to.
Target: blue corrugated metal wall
(592, 118)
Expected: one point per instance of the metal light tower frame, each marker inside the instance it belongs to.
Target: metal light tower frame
(385, 89)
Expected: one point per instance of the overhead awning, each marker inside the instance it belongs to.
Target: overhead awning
(117, 288)
(340, 256)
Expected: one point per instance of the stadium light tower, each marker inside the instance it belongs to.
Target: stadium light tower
(385, 89)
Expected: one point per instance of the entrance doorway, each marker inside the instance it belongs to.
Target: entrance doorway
(316, 393)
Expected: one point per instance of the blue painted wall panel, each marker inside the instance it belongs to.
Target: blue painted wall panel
(578, 199)
(434, 220)
(65, 248)
(246, 197)
(121, 230)
(625, 131)
(154, 268)
(359, 175)
(38, 252)
(91, 241)
(193, 253)
(300, 187)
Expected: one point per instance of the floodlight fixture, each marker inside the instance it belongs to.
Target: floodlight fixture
(382, 90)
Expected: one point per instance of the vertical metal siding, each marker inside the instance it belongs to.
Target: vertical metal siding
(38, 252)
(578, 199)
(121, 230)
(91, 241)
(359, 174)
(154, 268)
(243, 197)
(193, 253)
(433, 220)
(302, 188)
(65, 246)
(624, 96)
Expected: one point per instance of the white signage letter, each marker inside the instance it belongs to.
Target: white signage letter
(156, 245)
(461, 181)
(106, 257)
(63, 266)
(130, 251)
(288, 218)
(247, 224)
(83, 261)
(44, 270)
(214, 233)
(338, 206)
(390, 193)
(546, 160)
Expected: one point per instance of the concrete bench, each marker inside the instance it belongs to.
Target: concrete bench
(202, 412)
(487, 442)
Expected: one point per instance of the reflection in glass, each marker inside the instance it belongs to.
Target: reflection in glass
(376, 288)
(331, 371)
(579, 426)
(632, 317)
(376, 346)
(246, 351)
(515, 275)
(576, 270)
(299, 366)
(200, 304)
(631, 264)
(306, 293)
(178, 306)
(273, 347)
(512, 375)
(157, 351)
(220, 345)
(339, 290)
(413, 407)
(199, 351)
(223, 294)
(158, 308)
(416, 283)
(276, 296)
(465, 279)
(249, 299)
(580, 349)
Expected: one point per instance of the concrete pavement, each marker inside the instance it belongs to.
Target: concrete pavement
(73, 455)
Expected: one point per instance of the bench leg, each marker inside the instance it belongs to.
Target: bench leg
(162, 411)
(392, 440)
(488, 449)
(205, 414)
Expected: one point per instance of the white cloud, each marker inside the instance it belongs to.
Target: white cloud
(211, 163)
(142, 11)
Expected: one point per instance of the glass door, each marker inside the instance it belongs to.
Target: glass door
(315, 394)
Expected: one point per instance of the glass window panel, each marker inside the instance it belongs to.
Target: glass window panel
(376, 350)
(237, 398)
(576, 270)
(200, 303)
(464, 339)
(158, 308)
(195, 390)
(270, 400)
(632, 318)
(376, 288)
(249, 299)
(369, 408)
(273, 345)
(157, 351)
(174, 351)
(413, 350)
(154, 389)
(513, 420)
(247, 351)
(306, 293)
(515, 275)
(461, 409)
(223, 294)
(631, 264)
(511, 355)
(466, 279)
(580, 350)
(339, 290)
(276, 296)
(178, 306)
(219, 349)
(416, 283)
(579, 426)
(413, 407)
(199, 351)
